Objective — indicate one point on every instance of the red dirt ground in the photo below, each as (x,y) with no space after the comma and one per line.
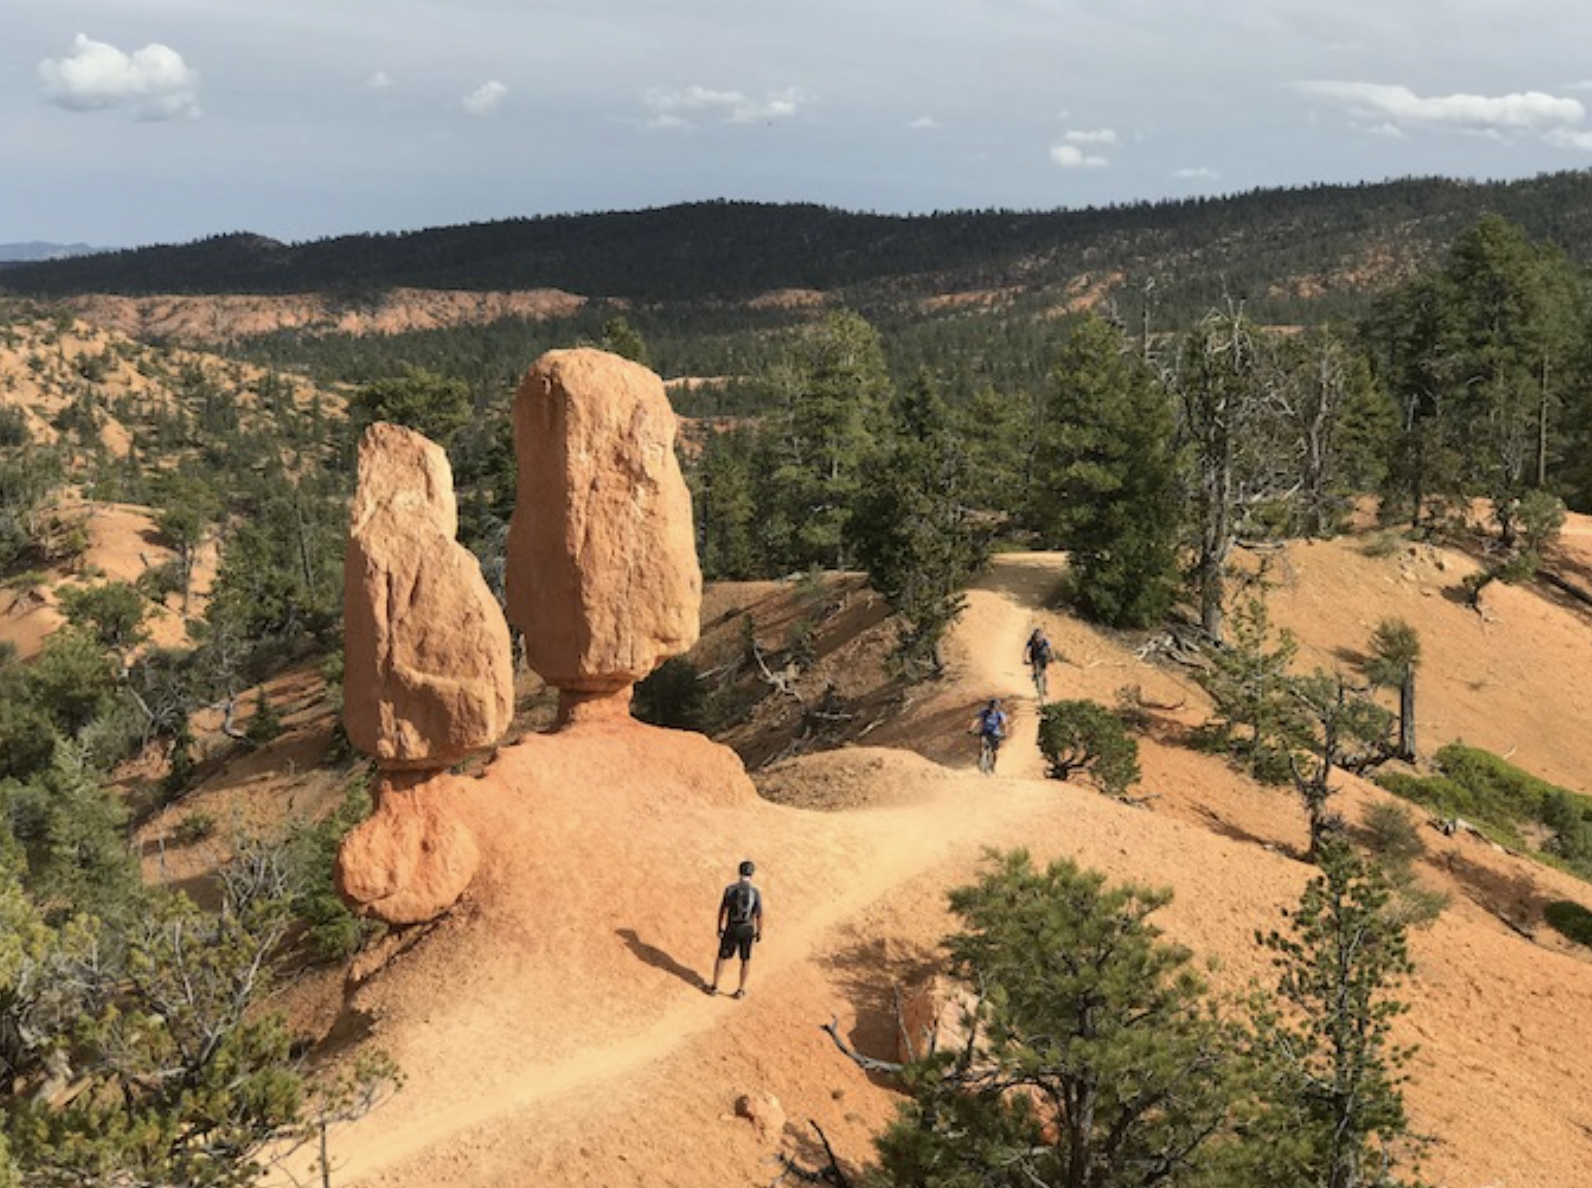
(554,1032)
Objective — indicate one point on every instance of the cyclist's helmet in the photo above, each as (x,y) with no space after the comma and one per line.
(748,868)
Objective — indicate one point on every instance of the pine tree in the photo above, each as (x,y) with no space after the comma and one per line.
(1106,478)
(1335,1116)
(1395,655)
(834,393)
(1095,1060)
(912,528)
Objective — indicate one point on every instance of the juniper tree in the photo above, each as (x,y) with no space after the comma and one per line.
(1084,736)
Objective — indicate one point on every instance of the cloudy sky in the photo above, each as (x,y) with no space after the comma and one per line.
(128,122)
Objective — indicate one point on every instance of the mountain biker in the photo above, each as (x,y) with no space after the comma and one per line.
(1037,654)
(990,725)
(740,925)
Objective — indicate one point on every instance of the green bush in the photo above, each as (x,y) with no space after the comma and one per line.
(1085,736)
(672,696)
(1499,799)
(1392,835)
(1570,919)
(194,828)
(334,932)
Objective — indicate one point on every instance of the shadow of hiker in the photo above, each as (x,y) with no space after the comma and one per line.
(658,959)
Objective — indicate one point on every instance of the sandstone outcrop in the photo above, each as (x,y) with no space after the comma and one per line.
(412,859)
(427,666)
(427,678)
(602,569)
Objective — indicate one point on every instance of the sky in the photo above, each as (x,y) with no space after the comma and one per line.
(131,122)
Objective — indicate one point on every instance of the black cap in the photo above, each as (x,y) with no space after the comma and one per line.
(748,868)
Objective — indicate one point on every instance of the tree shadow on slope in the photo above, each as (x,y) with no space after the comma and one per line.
(1513,897)
(873,975)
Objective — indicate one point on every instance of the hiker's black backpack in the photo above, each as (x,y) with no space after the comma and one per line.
(743,903)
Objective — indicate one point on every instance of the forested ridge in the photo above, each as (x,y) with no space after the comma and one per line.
(1276,248)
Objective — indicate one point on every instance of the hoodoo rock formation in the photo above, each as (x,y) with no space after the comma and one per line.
(602,570)
(604,584)
(428,667)
(428,675)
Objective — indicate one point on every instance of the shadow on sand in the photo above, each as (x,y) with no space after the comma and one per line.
(658,959)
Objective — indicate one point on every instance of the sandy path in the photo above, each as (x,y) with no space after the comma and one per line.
(601,1063)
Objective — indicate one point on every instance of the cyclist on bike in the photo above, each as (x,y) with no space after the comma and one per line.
(990,726)
(1037,654)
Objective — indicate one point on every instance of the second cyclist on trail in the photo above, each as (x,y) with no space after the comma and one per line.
(1037,654)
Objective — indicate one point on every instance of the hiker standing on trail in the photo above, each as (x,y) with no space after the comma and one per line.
(740,926)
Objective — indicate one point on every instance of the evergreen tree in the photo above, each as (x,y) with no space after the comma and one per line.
(1095,1061)
(1085,736)
(1106,478)
(1335,1114)
(623,339)
(834,395)
(1239,459)
(434,405)
(1248,681)
(1333,728)
(727,510)
(1395,655)
(912,528)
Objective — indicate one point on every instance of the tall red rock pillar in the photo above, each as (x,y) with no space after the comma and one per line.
(602,570)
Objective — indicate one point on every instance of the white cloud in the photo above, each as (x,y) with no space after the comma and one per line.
(1097,136)
(380,81)
(676,109)
(1379,106)
(1196,173)
(486,98)
(1570,139)
(1070,156)
(154,82)
(925,123)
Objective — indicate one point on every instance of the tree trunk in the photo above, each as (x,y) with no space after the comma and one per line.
(1407,715)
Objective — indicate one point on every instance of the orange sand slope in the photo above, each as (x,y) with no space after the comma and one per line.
(554,1032)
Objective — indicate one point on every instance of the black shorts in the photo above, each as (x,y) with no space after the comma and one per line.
(737,938)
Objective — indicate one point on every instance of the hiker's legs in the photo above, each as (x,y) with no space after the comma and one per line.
(718,968)
(746,963)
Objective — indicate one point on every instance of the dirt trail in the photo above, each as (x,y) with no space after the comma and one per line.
(593,1057)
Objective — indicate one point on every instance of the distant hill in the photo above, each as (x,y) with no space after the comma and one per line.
(1281,250)
(20,253)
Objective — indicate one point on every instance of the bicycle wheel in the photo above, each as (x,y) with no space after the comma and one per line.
(1041,687)
(986,754)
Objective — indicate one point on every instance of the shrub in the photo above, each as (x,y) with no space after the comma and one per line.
(672,696)
(334,932)
(194,828)
(266,723)
(1392,835)
(1085,736)
(1569,919)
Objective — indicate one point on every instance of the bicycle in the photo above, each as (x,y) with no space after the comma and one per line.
(1041,687)
(989,746)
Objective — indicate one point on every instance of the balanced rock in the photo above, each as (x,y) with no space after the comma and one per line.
(412,858)
(602,570)
(428,673)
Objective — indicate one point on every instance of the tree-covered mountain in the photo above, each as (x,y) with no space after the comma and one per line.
(1278,249)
